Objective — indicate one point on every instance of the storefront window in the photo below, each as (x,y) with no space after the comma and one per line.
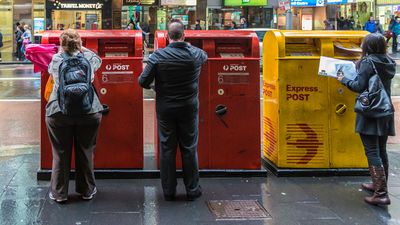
(6,29)
(215,19)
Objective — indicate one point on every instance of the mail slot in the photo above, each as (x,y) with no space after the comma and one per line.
(229,116)
(309,119)
(120,140)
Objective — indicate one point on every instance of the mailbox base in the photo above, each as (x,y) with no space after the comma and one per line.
(152,174)
(296,172)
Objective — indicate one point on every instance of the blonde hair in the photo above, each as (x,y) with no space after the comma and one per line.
(70,41)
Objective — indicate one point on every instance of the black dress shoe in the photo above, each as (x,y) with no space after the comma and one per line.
(193,196)
(169,198)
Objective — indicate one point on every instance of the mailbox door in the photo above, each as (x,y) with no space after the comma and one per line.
(235,134)
(304,119)
(346,147)
(121,130)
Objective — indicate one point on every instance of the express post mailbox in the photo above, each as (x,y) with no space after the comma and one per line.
(229,95)
(309,119)
(120,140)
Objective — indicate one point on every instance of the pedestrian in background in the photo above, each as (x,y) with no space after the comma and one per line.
(197,27)
(396,33)
(370,25)
(176,71)
(232,26)
(18,39)
(374,131)
(243,23)
(379,28)
(328,25)
(78,132)
(26,39)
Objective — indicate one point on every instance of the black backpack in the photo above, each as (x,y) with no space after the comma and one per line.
(75,93)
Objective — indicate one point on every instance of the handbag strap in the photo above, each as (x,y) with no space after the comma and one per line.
(373,66)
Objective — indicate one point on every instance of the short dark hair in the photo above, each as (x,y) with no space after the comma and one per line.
(175,30)
(374,43)
(17,24)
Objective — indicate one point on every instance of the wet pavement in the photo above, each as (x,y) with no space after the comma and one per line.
(288,201)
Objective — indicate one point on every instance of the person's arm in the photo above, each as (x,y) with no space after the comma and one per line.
(360,83)
(149,72)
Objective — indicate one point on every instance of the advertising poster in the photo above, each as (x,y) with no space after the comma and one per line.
(38,25)
(161,19)
(363,12)
(306,22)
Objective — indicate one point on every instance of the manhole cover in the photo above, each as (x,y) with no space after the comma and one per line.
(238,209)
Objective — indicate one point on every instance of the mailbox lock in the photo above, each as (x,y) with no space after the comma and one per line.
(221,110)
(340,91)
(221,91)
(103,91)
(341,109)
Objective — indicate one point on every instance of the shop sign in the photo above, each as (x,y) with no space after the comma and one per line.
(61,5)
(333,2)
(178,2)
(245,2)
(299,3)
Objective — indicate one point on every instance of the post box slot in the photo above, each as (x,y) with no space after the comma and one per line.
(116,48)
(235,48)
(347,48)
(302,47)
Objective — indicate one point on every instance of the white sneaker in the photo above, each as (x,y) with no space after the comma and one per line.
(59,200)
(90,196)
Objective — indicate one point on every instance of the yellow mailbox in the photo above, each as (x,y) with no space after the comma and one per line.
(309,119)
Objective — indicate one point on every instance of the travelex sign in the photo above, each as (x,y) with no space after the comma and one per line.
(62,5)
(307,2)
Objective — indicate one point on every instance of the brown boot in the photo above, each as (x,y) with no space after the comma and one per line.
(370,186)
(380,196)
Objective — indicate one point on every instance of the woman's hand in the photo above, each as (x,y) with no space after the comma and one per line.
(340,75)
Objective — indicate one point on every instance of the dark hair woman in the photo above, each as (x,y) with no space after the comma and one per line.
(374,132)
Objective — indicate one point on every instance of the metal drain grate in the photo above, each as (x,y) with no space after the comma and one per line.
(238,209)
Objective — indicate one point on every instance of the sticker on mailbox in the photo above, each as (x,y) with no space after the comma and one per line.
(234,73)
(117,73)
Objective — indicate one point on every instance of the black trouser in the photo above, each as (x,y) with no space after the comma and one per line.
(375,149)
(19,52)
(66,133)
(178,127)
(394,43)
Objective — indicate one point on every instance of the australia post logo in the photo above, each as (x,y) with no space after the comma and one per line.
(234,68)
(117,67)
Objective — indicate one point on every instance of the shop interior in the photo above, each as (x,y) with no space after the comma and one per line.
(82,19)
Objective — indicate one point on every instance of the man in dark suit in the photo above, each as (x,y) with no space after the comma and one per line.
(176,70)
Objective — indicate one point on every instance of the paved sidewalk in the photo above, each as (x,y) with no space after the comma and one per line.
(289,201)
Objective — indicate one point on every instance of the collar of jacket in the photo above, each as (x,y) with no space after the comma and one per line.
(178,44)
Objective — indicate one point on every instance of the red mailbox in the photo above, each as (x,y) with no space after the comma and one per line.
(120,141)
(229,116)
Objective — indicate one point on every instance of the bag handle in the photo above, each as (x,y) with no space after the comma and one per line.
(380,80)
